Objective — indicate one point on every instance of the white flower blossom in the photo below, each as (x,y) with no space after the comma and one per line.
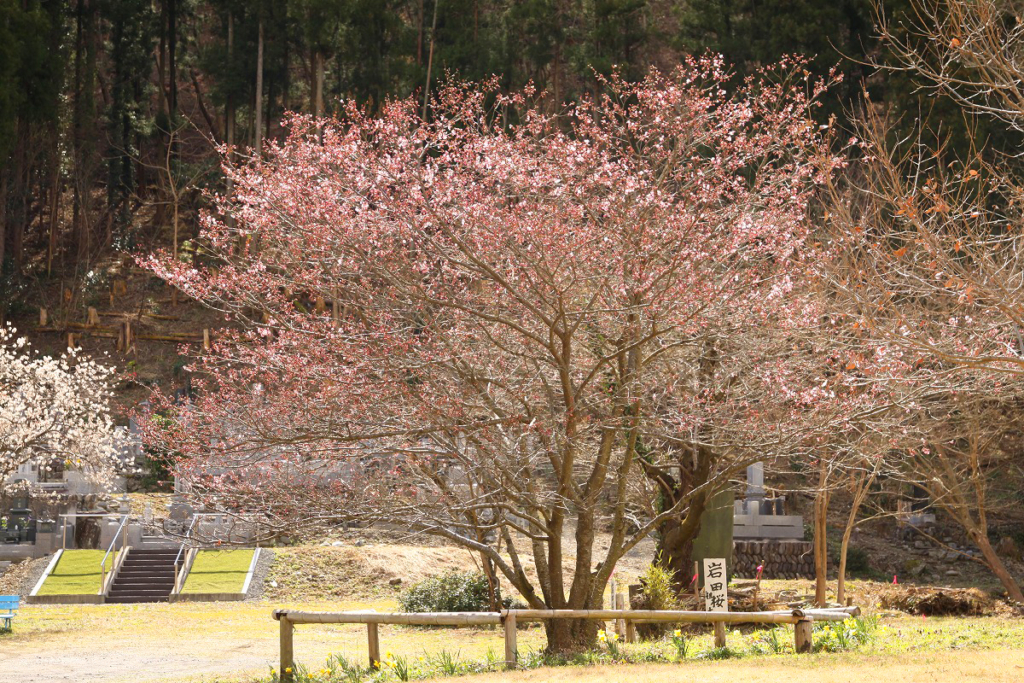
(55,410)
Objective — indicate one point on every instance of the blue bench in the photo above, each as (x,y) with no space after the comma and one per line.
(8,609)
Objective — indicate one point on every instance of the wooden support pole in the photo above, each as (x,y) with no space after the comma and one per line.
(71,340)
(206,339)
(287,653)
(373,643)
(92,317)
(802,633)
(124,341)
(719,634)
(630,631)
(42,317)
(511,648)
(620,624)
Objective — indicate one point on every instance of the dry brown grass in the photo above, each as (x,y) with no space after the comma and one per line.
(349,572)
(316,572)
(997,666)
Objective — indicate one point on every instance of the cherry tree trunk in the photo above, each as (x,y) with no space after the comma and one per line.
(674,551)
(841,579)
(995,563)
(569,636)
(821,501)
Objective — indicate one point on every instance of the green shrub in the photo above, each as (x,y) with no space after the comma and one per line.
(658,593)
(857,560)
(452,591)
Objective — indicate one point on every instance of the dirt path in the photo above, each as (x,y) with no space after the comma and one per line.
(123,663)
(235,642)
(179,642)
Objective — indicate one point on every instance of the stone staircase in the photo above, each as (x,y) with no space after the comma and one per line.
(146,575)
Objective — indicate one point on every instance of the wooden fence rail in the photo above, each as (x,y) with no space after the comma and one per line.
(802,621)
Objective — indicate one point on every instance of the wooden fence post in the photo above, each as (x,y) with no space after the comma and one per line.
(802,632)
(42,317)
(373,643)
(630,631)
(620,624)
(92,317)
(287,653)
(719,634)
(511,649)
(206,339)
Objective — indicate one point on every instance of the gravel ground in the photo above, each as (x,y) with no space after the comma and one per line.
(22,577)
(259,576)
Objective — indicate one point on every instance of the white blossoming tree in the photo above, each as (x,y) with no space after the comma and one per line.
(54,411)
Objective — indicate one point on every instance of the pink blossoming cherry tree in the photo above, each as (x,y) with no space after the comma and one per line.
(477,325)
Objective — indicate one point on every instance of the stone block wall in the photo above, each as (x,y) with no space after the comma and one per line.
(782,559)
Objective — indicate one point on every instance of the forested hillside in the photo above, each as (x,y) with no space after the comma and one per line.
(111,111)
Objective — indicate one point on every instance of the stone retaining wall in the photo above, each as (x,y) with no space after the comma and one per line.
(781,559)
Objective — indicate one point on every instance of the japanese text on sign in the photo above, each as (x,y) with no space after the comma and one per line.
(716,583)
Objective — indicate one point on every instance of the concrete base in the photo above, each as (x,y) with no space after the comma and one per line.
(64,599)
(207,597)
(16,552)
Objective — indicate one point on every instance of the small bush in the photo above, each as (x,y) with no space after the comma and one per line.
(658,593)
(857,559)
(452,591)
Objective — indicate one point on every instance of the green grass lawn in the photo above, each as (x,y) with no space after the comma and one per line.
(77,573)
(219,571)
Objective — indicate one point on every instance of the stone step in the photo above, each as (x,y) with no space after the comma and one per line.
(143,552)
(144,589)
(146,575)
(165,586)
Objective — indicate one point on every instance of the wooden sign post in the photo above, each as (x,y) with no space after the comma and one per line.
(716,593)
